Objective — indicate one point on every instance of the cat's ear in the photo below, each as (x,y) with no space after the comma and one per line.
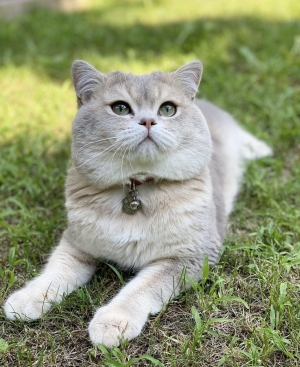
(85,79)
(189,76)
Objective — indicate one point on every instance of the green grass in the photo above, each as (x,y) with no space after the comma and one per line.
(246,311)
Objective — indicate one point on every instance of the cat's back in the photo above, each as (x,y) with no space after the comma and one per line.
(226,163)
(232,147)
(229,137)
(222,126)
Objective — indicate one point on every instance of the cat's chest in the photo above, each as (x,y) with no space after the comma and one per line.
(104,215)
(99,226)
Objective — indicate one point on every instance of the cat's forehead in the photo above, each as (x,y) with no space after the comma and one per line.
(145,88)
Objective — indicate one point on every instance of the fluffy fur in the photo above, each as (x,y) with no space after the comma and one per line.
(196,163)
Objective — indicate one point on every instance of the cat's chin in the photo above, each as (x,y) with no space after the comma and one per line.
(148,150)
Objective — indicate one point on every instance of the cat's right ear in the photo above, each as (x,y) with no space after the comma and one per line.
(85,79)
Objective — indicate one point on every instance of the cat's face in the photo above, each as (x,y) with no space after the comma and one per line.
(127,125)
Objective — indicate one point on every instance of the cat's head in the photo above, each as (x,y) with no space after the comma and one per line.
(128,124)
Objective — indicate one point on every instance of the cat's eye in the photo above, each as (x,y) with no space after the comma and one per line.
(121,108)
(167,109)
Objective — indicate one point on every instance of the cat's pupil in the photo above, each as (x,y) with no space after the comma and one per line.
(121,108)
(167,109)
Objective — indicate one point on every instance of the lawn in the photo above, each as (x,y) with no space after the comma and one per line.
(246,310)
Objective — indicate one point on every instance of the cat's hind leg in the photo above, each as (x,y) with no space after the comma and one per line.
(66,270)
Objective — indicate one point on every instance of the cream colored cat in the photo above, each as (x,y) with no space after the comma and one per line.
(185,158)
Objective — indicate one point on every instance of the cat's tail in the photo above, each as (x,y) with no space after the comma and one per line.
(239,144)
(252,148)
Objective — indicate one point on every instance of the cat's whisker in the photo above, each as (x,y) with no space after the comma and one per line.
(107,150)
(177,165)
(168,155)
(112,157)
(123,182)
(129,158)
(129,161)
(93,142)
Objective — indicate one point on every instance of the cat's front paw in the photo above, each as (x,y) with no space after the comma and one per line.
(27,304)
(110,325)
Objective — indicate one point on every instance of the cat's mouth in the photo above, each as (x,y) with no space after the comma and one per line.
(147,150)
(148,139)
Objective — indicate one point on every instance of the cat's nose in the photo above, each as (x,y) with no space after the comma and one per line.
(148,123)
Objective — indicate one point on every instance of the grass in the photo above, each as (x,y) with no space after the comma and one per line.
(246,311)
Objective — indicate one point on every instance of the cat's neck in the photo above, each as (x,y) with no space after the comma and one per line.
(76,181)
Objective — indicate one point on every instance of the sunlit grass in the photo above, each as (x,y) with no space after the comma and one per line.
(157,12)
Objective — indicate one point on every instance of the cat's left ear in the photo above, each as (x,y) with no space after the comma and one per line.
(85,79)
(189,76)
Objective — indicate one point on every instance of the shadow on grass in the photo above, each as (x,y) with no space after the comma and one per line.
(249,63)
(49,41)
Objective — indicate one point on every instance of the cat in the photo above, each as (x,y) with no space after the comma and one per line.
(153,179)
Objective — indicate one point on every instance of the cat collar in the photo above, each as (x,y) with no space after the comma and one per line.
(131,204)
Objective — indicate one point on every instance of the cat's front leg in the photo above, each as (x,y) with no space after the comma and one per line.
(126,314)
(66,270)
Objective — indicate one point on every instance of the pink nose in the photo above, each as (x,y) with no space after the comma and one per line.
(147,123)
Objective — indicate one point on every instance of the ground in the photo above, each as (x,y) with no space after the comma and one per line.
(246,311)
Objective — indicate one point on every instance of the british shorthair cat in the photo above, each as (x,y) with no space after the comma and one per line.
(153,180)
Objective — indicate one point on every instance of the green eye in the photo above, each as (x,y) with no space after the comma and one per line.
(167,109)
(121,108)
